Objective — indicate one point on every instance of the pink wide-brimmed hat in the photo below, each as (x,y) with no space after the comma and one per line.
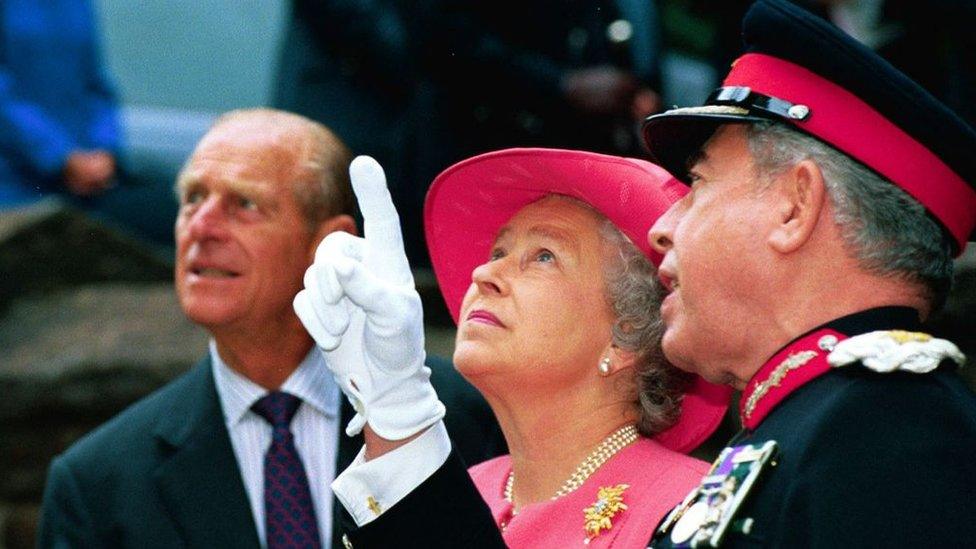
(469,203)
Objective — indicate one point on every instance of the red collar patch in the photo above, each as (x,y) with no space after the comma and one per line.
(793,367)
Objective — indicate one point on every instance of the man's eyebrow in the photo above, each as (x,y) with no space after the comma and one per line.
(184,182)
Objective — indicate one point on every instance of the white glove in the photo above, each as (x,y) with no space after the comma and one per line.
(361,307)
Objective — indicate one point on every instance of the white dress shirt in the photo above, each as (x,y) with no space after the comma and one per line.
(315,426)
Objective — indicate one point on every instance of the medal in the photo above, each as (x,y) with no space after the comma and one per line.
(706,515)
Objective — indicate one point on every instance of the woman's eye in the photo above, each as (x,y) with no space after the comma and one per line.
(247,204)
(497,253)
(545,256)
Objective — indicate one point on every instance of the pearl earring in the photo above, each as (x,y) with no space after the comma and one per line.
(604,366)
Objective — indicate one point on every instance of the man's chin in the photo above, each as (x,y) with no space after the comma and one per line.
(684,361)
(207,316)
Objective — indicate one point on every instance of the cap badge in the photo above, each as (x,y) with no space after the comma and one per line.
(888,351)
(598,517)
(798,112)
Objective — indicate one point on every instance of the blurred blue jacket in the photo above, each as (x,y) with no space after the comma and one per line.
(54,95)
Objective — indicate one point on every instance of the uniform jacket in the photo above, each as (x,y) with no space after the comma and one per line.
(866,459)
(163,472)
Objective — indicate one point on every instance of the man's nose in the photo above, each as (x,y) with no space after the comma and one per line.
(209,220)
(661,234)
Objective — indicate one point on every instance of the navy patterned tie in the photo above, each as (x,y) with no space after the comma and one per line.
(289,515)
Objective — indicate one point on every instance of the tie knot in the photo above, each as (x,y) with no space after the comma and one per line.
(277,408)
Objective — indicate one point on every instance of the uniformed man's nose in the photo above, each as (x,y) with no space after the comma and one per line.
(660,234)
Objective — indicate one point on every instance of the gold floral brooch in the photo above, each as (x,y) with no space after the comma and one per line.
(598,517)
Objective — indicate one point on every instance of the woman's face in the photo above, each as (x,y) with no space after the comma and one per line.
(537,307)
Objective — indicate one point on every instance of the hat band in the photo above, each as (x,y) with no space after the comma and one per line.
(744,97)
(841,119)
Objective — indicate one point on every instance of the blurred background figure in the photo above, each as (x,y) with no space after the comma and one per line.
(544,73)
(352,66)
(59,126)
(931,42)
(60,131)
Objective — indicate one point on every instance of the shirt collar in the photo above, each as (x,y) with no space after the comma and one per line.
(311,382)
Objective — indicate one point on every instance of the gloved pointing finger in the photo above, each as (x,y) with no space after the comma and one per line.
(381,224)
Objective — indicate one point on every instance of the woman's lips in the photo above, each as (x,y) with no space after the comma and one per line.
(484,317)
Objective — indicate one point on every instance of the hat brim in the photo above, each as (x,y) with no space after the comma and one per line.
(471,201)
(674,136)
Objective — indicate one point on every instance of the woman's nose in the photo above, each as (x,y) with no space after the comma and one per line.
(489,277)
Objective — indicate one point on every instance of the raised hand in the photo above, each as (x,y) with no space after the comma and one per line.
(361,307)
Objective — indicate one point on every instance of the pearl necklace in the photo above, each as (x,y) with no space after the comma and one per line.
(618,440)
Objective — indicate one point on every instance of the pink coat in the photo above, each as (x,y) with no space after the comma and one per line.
(658,480)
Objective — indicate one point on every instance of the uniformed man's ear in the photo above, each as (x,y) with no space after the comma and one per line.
(803,198)
(342,222)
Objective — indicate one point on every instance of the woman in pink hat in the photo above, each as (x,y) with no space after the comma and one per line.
(544,264)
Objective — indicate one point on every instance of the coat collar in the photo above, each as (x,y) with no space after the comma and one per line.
(198,477)
(805,359)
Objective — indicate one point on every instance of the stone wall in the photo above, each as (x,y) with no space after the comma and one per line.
(89,323)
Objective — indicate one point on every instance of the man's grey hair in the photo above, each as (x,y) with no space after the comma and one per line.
(635,295)
(887,231)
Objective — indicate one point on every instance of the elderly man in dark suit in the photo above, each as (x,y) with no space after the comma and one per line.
(241,450)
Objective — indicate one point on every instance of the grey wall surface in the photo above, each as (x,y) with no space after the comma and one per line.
(210,55)
(177,64)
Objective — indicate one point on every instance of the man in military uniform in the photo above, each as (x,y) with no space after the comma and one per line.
(829,194)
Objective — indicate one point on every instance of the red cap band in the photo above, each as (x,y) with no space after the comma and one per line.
(850,125)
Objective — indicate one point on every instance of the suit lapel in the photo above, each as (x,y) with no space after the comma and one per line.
(345,453)
(198,478)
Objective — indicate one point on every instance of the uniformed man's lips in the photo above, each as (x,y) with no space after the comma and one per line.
(668,279)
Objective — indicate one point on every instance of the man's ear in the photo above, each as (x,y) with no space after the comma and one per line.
(802,197)
(343,222)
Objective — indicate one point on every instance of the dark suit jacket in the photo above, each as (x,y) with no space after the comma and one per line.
(163,472)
